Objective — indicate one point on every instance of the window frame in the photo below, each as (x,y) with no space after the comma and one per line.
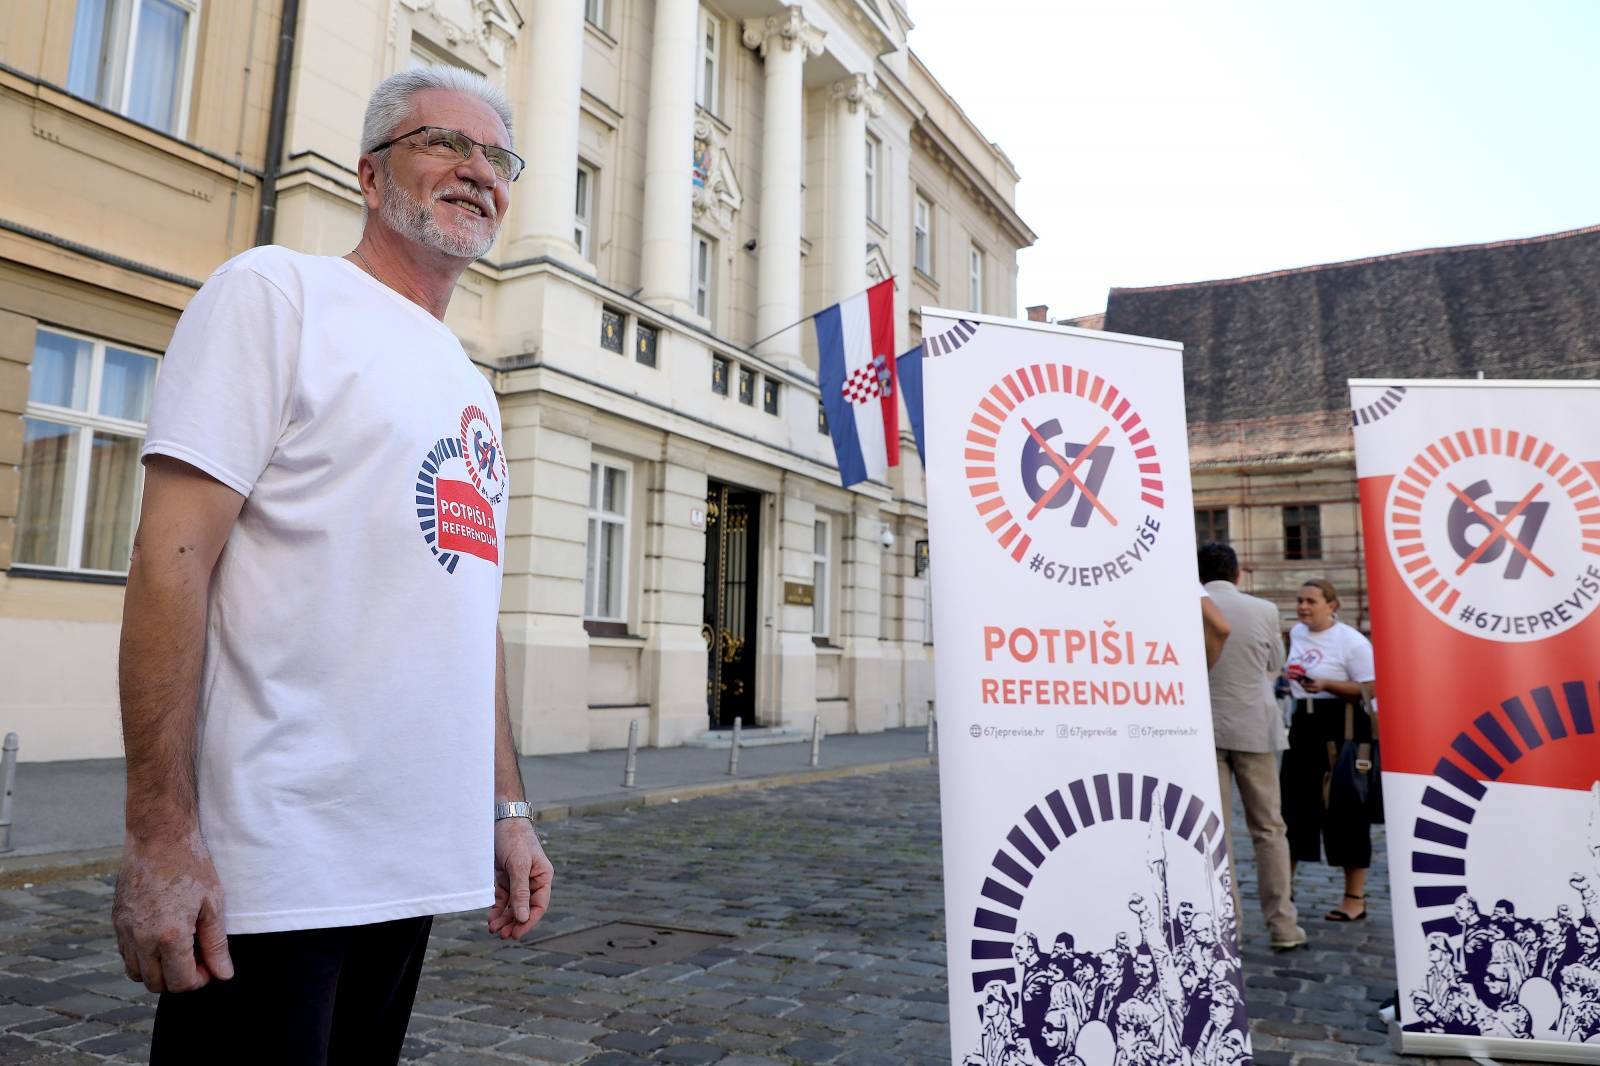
(702,274)
(922,233)
(874,178)
(708,63)
(115,66)
(595,516)
(583,209)
(85,423)
(821,587)
(1210,530)
(594,13)
(1309,546)
(975,277)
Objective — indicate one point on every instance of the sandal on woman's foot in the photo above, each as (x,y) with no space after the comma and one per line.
(1337,915)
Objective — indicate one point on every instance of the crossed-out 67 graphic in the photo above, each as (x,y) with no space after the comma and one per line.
(1499,531)
(1064,473)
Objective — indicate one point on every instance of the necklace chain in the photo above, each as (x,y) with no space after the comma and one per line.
(365,265)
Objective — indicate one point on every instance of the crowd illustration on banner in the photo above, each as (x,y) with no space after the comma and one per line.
(1173,998)
(1510,975)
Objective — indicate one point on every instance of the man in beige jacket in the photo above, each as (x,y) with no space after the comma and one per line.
(1249,734)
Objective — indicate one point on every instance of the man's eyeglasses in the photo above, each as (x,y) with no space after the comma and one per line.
(505,163)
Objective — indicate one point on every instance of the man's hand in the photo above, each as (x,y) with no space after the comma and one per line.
(522,879)
(168,915)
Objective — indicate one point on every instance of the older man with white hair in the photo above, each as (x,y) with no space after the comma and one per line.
(313,683)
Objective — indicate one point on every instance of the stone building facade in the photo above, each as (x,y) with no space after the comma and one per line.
(701,176)
(1267,359)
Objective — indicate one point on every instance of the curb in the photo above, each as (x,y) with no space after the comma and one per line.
(54,865)
(656,797)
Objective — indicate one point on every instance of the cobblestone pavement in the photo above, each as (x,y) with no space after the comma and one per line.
(831,893)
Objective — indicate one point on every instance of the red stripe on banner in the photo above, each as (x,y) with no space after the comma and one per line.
(998,520)
(987,425)
(1589,519)
(1567,480)
(992,408)
(1438,456)
(1005,401)
(1153,501)
(1513,441)
(1558,463)
(1139,437)
(978,438)
(1110,398)
(1408,487)
(1479,439)
(1425,579)
(1586,503)
(1408,549)
(1593,549)
(1050,375)
(1066,378)
(1021,548)
(1096,389)
(1411,519)
(1009,535)
(1436,591)
(1122,409)
(1082,388)
(1544,454)
(1149,468)
(1464,441)
(880,316)
(978,456)
(1151,483)
(1016,392)
(1145,453)
(1433,471)
(1418,476)
(1449,603)
(1450,450)
(1418,563)
(1038,377)
(990,504)
(980,471)
(1130,422)
(985,488)
(1410,505)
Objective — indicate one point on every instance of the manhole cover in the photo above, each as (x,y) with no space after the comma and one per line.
(634,942)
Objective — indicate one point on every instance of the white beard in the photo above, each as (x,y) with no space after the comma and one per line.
(414,220)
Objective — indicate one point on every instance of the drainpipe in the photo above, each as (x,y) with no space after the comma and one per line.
(267,217)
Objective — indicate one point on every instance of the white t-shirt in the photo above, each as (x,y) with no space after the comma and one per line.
(347,702)
(1338,653)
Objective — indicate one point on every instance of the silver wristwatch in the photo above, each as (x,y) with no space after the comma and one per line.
(519,809)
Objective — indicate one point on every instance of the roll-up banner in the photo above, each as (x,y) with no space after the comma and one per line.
(1088,913)
(1480,505)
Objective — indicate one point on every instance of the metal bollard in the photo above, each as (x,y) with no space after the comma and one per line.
(8,781)
(733,751)
(932,733)
(632,766)
(816,739)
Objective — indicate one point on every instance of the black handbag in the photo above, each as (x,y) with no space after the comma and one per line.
(1354,781)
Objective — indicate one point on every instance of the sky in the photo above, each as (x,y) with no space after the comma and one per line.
(1162,141)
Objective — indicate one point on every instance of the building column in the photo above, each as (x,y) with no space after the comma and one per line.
(668,159)
(853,99)
(545,199)
(672,596)
(783,41)
(860,622)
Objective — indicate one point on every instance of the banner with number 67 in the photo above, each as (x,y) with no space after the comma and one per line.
(1480,507)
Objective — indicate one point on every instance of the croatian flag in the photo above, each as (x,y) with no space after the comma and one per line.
(860,383)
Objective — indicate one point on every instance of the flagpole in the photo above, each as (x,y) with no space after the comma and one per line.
(750,349)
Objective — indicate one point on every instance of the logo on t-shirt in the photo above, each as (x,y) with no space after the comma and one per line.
(458,484)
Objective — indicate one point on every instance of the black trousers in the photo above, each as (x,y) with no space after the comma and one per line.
(1345,834)
(312,997)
